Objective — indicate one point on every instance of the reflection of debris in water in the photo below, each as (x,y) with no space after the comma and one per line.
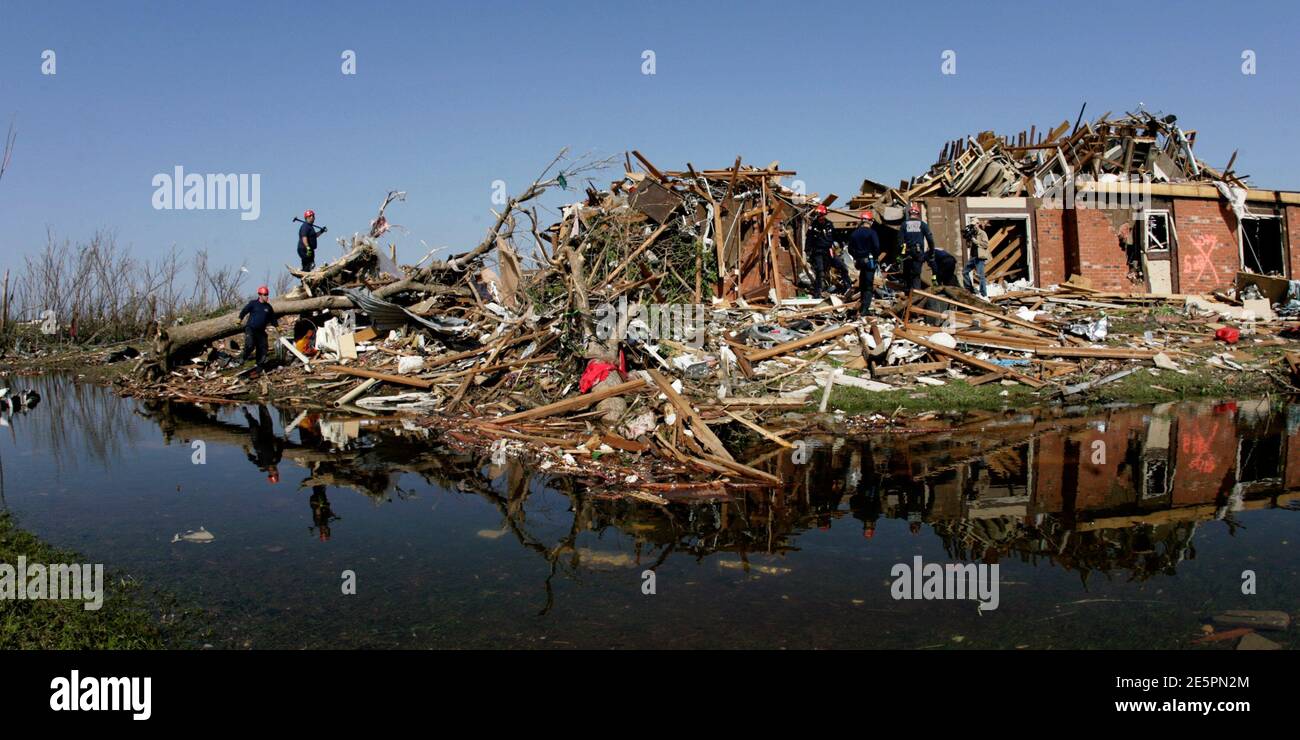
(492,534)
(767,570)
(588,556)
(201,536)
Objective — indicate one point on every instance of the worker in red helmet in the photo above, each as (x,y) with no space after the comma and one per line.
(307,234)
(913,236)
(261,314)
(819,245)
(864,248)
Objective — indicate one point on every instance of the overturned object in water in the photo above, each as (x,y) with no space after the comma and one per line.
(202,536)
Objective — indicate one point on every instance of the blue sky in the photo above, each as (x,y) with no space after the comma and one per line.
(450,97)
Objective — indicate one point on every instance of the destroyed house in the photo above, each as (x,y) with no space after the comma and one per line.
(1123,203)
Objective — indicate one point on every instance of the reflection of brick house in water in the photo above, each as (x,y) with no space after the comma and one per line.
(1126,490)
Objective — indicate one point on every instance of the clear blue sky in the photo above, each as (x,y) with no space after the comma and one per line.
(449,97)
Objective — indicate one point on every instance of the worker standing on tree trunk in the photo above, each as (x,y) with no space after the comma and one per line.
(307,234)
(913,236)
(260,315)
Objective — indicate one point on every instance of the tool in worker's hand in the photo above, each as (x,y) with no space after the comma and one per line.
(323,229)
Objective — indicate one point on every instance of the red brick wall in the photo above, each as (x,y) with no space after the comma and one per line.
(1292,216)
(1208,258)
(1101,258)
(1049,243)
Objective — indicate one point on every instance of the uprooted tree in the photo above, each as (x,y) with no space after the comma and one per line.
(362,265)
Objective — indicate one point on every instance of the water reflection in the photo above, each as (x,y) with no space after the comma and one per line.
(1121,492)
(1127,493)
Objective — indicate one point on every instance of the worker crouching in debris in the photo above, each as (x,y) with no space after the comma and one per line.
(819,244)
(864,247)
(261,314)
(913,236)
(943,265)
(977,250)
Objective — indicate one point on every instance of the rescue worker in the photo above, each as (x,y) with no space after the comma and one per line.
(943,265)
(818,245)
(307,234)
(864,248)
(913,235)
(261,314)
(977,252)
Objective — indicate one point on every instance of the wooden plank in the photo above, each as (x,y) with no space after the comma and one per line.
(574,403)
(807,341)
(758,430)
(1104,353)
(969,360)
(703,434)
(386,377)
(911,369)
(987,312)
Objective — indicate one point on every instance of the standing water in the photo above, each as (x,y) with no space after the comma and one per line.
(1120,529)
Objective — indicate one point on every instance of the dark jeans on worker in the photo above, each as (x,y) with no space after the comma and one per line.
(820,263)
(308,258)
(912,274)
(977,265)
(255,341)
(866,284)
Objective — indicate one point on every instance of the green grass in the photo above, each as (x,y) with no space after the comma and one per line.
(955,395)
(1202,381)
(128,619)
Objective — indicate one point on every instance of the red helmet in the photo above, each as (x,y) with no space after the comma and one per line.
(273,477)
(867,215)
(914,208)
(308,213)
(821,209)
(264,290)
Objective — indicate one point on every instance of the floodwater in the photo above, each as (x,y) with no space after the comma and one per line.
(1120,529)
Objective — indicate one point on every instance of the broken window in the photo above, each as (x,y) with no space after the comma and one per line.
(1157,236)
(1261,246)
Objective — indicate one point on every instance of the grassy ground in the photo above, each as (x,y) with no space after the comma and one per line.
(1143,386)
(129,618)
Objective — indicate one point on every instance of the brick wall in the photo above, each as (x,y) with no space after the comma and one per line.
(1208,257)
(1101,258)
(1049,243)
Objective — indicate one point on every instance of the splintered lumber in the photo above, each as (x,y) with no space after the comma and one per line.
(1105,353)
(386,377)
(987,312)
(807,341)
(758,429)
(745,470)
(911,369)
(573,404)
(964,358)
(357,392)
(703,434)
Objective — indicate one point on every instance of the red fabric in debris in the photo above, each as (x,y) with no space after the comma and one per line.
(596,371)
(1228,334)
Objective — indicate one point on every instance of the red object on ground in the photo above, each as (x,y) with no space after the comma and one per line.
(1228,334)
(596,371)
